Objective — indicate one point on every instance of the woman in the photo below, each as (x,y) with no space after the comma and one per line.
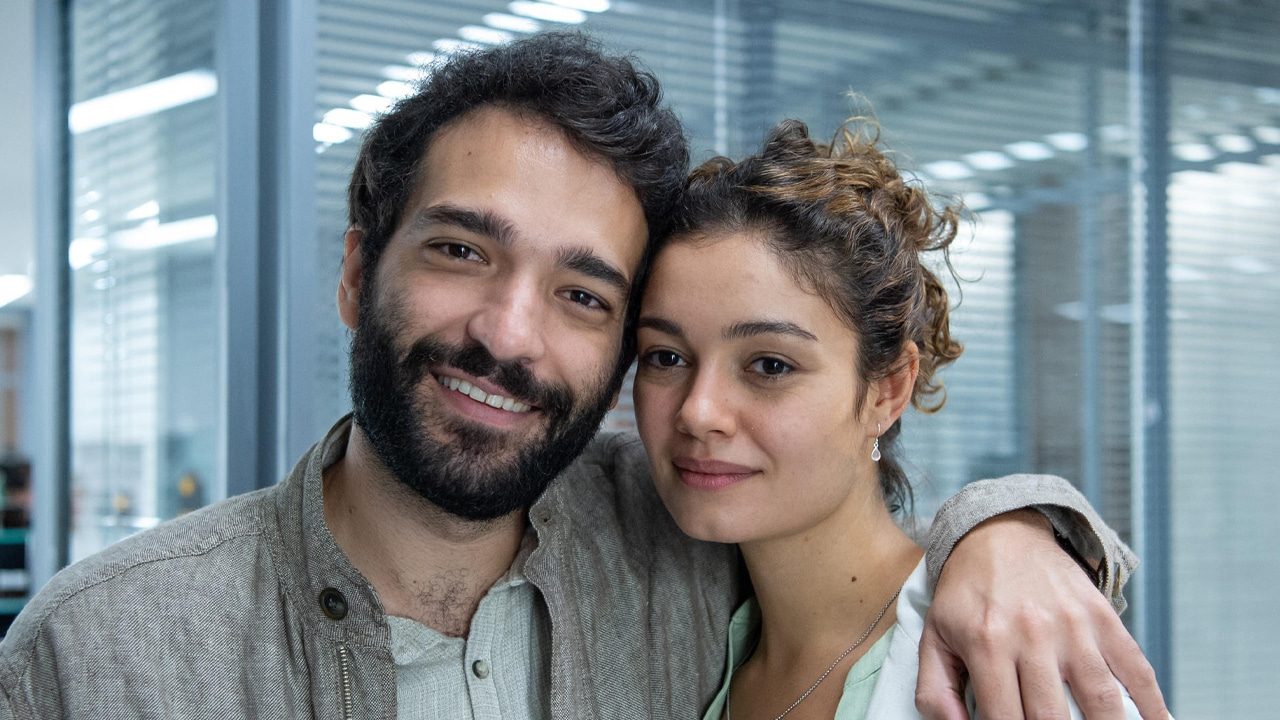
(788,323)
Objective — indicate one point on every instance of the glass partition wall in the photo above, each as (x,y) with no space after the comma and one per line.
(144,340)
(1036,114)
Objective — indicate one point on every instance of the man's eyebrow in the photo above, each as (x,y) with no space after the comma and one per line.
(662,325)
(480,222)
(767,327)
(583,260)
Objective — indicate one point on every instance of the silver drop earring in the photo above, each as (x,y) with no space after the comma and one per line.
(875,449)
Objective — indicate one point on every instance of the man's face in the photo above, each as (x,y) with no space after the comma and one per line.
(485,347)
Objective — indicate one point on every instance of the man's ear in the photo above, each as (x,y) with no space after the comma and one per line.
(892,393)
(351,278)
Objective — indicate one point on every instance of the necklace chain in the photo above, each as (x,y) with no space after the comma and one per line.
(728,704)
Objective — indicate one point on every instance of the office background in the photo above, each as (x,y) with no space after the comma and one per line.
(174,198)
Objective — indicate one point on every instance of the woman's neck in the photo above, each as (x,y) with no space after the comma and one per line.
(819,589)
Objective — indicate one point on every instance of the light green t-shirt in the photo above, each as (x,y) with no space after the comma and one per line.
(744,628)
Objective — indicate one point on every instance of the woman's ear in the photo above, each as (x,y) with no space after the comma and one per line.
(351,277)
(892,393)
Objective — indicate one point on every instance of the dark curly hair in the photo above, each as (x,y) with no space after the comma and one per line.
(847,226)
(606,105)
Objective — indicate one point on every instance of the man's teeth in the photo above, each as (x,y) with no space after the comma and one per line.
(475,393)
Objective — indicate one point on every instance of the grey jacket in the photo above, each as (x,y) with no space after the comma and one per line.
(248,608)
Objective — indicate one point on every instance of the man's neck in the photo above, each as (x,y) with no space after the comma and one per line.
(424,563)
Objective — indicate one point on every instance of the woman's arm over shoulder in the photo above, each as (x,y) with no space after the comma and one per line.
(1083,531)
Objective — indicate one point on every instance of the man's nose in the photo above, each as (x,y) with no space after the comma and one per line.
(512,323)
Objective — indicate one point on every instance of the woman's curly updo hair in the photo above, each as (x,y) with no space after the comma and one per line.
(849,228)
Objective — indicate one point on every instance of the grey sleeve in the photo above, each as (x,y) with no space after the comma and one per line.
(1071,515)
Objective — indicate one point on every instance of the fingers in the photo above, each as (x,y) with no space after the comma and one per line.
(1130,667)
(995,687)
(940,684)
(1043,695)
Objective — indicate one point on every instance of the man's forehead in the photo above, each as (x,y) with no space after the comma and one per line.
(522,179)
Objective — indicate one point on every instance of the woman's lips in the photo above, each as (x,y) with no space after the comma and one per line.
(711,474)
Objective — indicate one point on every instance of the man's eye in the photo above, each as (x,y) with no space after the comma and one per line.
(585,299)
(663,359)
(458,251)
(771,367)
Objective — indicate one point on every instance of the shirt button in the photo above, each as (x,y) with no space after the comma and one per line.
(333,604)
(480,668)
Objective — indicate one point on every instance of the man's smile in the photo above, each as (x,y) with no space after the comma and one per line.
(493,400)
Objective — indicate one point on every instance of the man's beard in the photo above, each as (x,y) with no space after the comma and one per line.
(482,473)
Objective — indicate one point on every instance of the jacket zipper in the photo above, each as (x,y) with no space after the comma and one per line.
(344,680)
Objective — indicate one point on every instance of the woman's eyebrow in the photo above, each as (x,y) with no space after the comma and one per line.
(767,327)
(662,325)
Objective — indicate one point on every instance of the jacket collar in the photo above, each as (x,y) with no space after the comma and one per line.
(311,564)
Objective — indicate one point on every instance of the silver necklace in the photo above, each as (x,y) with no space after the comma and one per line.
(728,701)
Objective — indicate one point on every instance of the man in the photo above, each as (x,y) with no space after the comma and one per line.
(438,555)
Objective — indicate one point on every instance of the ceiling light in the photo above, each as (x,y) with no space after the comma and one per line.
(550,13)
(148,209)
(1180,273)
(1071,310)
(346,117)
(1249,265)
(142,100)
(402,73)
(486,35)
(1234,143)
(1268,134)
(1119,313)
(150,237)
(1194,152)
(1068,141)
(948,170)
(84,250)
(989,160)
(13,287)
(330,134)
(503,21)
(595,6)
(371,104)
(395,89)
(449,46)
(1114,133)
(1029,151)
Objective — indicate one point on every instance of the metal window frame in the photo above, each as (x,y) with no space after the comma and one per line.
(50,440)
(1149,175)
(266,69)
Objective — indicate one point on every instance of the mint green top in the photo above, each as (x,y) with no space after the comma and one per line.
(744,629)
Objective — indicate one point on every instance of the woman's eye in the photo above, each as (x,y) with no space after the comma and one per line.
(771,367)
(585,299)
(663,359)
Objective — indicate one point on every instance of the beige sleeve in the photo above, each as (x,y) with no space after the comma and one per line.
(1070,513)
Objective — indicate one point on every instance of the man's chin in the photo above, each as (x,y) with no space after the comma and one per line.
(483,443)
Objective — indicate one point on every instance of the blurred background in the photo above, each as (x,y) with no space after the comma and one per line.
(172,188)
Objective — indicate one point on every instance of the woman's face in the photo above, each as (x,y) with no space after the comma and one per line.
(746,394)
